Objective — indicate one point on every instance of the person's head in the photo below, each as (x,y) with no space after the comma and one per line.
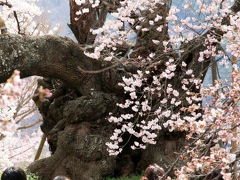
(61,178)
(13,173)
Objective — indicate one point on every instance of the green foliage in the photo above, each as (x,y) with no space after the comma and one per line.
(31,176)
(127,178)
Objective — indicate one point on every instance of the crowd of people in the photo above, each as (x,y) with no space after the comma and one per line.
(15,173)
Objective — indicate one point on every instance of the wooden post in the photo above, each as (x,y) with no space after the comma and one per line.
(40,148)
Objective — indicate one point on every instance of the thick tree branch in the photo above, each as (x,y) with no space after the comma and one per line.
(55,57)
(82,23)
(144,41)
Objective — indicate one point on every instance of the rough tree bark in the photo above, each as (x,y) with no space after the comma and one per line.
(74,117)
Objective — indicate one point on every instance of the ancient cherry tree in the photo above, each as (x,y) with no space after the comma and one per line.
(129,92)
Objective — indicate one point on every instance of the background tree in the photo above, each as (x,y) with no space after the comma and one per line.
(20,120)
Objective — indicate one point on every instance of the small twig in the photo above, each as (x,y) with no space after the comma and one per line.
(20,153)
(97,71)
(23,115)
(181,153)
(158,63)
(29,126)
(103,69)
(18,23)
(172,166)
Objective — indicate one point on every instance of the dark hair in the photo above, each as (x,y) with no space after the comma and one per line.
(61,178)
(13,173)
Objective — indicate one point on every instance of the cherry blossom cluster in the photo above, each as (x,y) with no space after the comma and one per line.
(86,6)
(10,89)
(25,17)
(116,32)
(21,154)
(26,11)
(18,143)
(166,98)
(9,93)
(213,147)
(219,159)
